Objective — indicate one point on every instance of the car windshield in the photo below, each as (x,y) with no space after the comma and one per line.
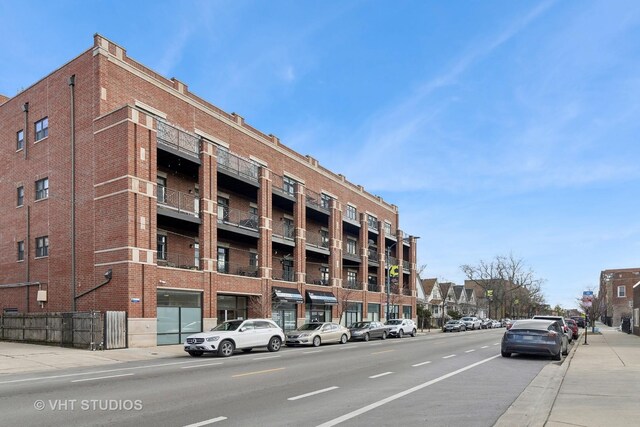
(360,325)
(228,326)
(394,322)
(310,326)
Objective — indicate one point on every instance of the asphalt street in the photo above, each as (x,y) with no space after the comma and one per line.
(442,379)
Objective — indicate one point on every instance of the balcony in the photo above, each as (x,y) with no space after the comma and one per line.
(283,275)
(316,201)
(311,280)
(177,260)
(283,187)
(178,142)
(373,256)
(318,243)
(177,204)
(352,284)
(239,221)
(373,287)
(237,269)
(238,167)
(407,291)
(284,232)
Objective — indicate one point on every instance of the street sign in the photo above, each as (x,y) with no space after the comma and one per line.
(587,298)
(393,271)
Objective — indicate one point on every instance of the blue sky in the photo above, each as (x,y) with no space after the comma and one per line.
(497,127)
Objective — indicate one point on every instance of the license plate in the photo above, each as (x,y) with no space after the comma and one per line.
(193,347)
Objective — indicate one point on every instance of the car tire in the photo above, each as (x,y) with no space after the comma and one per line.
(413,333)
(226,348)
(366,337)
(275,343)
(384,335)
(317,341)
(247,350)
(505,354)
(565,351)
(558,356)
(344,339)
(400,333)
(195,353)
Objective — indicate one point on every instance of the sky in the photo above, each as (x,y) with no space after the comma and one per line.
(496,127)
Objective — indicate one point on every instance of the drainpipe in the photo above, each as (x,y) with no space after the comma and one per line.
(26,249)
(25,109)
(72,85)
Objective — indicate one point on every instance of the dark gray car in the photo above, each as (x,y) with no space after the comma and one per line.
(532,336)
(367,330)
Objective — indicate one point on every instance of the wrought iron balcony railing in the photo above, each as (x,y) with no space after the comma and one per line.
(177,260)
(238,218)
(176,200)
(177,139)
(237,165)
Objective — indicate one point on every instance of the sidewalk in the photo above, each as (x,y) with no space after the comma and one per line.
(597,385)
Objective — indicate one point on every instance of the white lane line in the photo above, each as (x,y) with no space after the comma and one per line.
(389,399)
(101,378)
(420,364)
(375,343)
(469,351)
(207,422)
(266,357)
(313,393)
(485,346)
(380,375)
(497,343)
(312,352)
(200,366)
(451,355)
(104,371)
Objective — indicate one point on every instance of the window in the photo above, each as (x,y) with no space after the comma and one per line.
(253,260)
(373,312)
(621,291)
(387,229)
(20,140)
(352,247)
(21,250)
(42,246)
(223,260)
(223,209)
(42,128)
(20,195)
(162,189)
(324,238)
(42,188)
(196,255)
(289,229)
(288,185)
(287,270)
(325,201)
(406,311)
(353,313)
(162,247)
(352,213)
(324,275)
(352,278)
(372,221)
(253,215)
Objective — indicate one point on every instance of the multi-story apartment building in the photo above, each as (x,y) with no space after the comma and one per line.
(616,294)
(125,191)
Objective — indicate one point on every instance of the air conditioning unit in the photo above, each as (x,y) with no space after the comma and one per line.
(42,296)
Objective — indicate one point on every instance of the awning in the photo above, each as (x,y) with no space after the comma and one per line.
(287,295)
(317,297)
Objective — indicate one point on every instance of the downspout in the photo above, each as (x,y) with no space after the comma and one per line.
(25,109)
(26,249)
(72,85)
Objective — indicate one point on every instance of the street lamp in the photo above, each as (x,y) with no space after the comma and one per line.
(388,284)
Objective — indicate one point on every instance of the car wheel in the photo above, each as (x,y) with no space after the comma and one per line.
(316,341)
(195,353)
(247,350)
(226,348)
(505,354)
(366,337)
(274,344)
(344,339)
(558,356)
(384,335)
(413,333)
(565,351)
(400,333)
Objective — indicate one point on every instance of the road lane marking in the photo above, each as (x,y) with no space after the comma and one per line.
(375,343)
(451,355)
(313,393)
(266,371)
(389,399)
(207,422)
(383,351)
(101,378)
(200,366)
(420,364)
(469,351)
(485,346)
(266,357)
(312,352)
(497,343)
(380,375)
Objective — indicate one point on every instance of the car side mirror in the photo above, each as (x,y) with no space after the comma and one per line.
(242,329)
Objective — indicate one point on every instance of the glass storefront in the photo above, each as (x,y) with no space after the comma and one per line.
(284,314)
(353,313)
(317,313)
(179,315)
(406,311)
(373,312)
(232,307)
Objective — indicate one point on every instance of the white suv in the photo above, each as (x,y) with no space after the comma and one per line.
(472,322)
(400,327)
(236,334)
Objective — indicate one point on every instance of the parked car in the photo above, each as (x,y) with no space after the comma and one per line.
(236,334)
(504,321)
(496,324)
(487,324)
(317,333)
(562,323)
(535,336)
(401,327)
(579,320)
(455,326)
(509,324)
(367,330)
(573,326)
(472,322)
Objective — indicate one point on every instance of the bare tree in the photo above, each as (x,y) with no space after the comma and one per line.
(344,295)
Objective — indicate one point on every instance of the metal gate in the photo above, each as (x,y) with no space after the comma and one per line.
(115,330)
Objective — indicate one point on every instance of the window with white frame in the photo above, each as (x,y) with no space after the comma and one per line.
(289,185)
(325,201)
(324,275)
(372,221)
(21,250)
(352,247)
(20,195)
(324,238)
(42,188)
(387,229)
(19,140)
(352,213)
(622,291)
(42,128)
(42,246)
(162,247)
(352,277)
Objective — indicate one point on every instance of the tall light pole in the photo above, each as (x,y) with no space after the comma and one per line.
(388,282)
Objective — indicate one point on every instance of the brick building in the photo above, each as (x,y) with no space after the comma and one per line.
(125,191)
(616,294)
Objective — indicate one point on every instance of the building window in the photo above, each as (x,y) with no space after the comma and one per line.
(406,311)
(223,260)
(42,246)
(324,238)
(289,229)
(42,188)
(162,247)
(223,209)
(42,128)
(373,312)
(621,291)
(372,221)
(21,250)
(253,215)
(353,313)
(162,189)
(352,278)
(352,247)
(196,255)
(352,213)
(20,140)
(20,195)
(387,229)
(288,185)
(325,201)
(253,260)
(324,275)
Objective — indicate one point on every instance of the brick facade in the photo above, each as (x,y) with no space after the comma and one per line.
(616,286)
